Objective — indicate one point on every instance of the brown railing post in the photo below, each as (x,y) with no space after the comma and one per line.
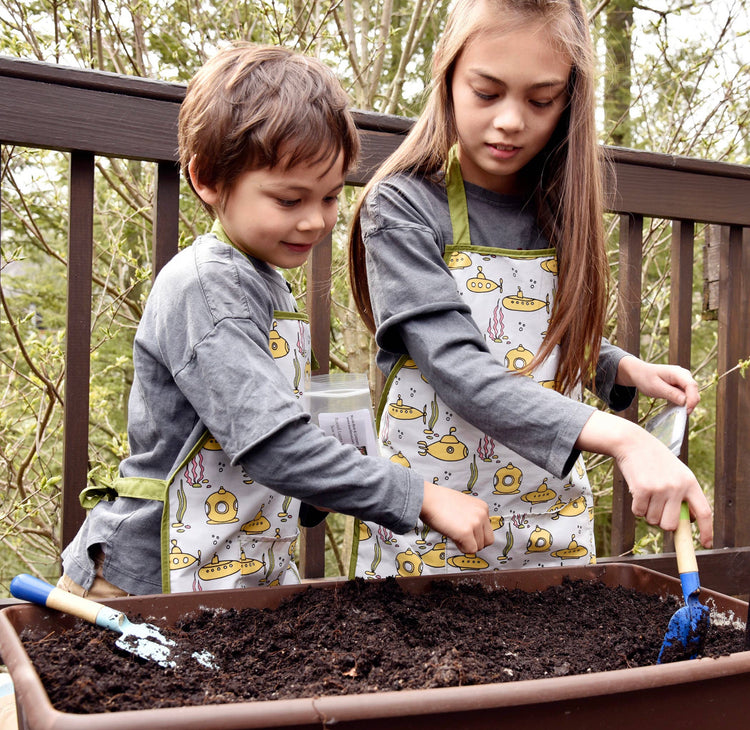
(78,345)
(166,231)
(726,495)
(628,338)
(312,541)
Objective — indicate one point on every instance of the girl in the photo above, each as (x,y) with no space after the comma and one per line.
(478,259)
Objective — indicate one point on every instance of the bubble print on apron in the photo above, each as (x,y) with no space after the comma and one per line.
(538,519)
(220,528)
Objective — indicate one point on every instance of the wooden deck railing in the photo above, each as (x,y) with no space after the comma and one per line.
(90,114)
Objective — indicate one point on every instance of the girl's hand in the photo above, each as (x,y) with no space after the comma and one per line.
(462,518)
(670,382)
(658,481)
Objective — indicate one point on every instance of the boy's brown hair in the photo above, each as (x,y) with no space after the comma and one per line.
(253,106)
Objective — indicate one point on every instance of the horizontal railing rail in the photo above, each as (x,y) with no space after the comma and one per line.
(89,114)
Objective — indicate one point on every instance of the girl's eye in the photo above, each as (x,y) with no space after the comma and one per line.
(483,96)
(542,104)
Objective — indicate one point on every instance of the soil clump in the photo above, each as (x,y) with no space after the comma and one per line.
(368,636)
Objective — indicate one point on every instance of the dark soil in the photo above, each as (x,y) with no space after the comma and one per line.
(369,637)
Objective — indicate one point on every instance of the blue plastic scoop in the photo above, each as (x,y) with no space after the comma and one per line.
(686,632)
(142,639)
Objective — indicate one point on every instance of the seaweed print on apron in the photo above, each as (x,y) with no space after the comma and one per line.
(538,519)
(223,529)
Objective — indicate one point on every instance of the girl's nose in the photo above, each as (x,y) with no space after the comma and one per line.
(509,117)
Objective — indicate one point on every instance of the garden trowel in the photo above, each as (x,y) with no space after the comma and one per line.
(142,639)
(686,632)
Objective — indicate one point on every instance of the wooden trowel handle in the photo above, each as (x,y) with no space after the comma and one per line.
(683,543)
(29,588)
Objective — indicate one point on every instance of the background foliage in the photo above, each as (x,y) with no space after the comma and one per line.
(674,79)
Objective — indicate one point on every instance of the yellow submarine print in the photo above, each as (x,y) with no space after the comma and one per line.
(518,358)
(507,480)
(520,303)
(406,413)
(449,448)
(277,344)
(573,551)
(408,563)
(211,444)
(221,508)
(480,284)
(540,541)
(459,260)
(496,522)
(435,557)
(222,568)
(258,524)
(572,509)
(365,533)
(468,561)
(549,265)
(541,494)
(179,560)
(400,459)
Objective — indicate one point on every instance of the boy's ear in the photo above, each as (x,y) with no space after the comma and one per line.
(207,193)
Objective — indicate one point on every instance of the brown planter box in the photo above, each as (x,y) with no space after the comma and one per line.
(692,694)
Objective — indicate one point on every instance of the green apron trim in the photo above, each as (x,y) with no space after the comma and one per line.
(301,316)
(134,487)
(387,386)
(218,230)
(382,404)
(507,252)
(457,205)
(165,513)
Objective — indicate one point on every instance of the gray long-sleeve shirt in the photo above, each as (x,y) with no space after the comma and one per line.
(406,226)
(202,361)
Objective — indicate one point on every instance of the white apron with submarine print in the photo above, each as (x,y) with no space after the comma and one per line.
(223,529)
(537,518)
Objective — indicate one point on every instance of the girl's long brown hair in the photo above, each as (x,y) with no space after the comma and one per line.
(566,176)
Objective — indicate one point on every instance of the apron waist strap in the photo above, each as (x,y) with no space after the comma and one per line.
(134,487)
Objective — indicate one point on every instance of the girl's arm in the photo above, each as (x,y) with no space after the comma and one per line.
(670,382)
(462,518)
(658,481)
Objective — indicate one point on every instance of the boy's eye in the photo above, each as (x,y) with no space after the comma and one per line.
(284,203)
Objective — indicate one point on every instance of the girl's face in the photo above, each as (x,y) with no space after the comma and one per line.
(509,91)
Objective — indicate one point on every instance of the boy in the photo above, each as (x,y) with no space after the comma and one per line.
(221,449)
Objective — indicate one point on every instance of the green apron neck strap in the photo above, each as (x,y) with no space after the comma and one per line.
(457,206)
(218,230)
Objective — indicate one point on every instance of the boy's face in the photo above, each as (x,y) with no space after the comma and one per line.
(278,215)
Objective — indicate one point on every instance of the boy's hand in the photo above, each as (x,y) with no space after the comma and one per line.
(460,517)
